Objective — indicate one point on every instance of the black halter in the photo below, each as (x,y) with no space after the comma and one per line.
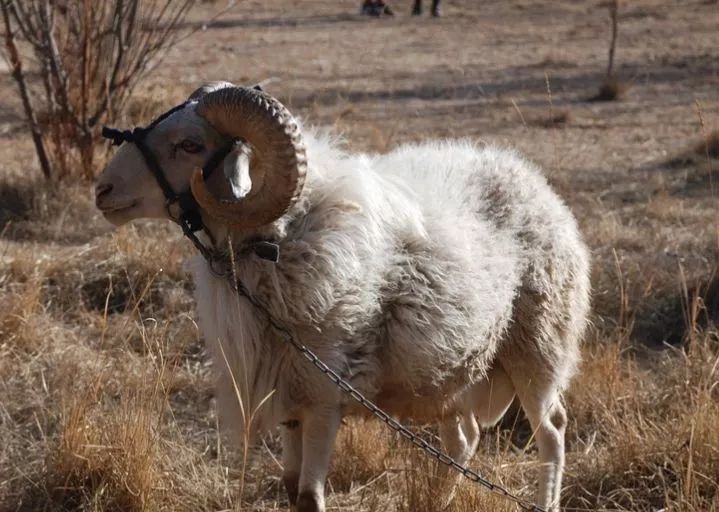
(189,217)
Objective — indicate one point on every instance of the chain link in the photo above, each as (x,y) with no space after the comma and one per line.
(379,413)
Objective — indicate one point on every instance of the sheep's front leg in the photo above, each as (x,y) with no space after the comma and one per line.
(460,437)
(292,459)
(319,428)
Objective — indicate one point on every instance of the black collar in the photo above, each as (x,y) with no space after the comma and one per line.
(189,217)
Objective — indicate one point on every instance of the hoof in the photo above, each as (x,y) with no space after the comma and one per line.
(291,485)
(309,502)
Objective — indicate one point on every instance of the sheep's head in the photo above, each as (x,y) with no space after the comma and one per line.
(263,172)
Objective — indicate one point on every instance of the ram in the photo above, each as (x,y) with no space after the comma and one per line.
(440,280)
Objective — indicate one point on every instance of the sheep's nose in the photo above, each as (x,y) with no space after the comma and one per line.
(101,191)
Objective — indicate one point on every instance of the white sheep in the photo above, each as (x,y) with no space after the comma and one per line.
(440,280)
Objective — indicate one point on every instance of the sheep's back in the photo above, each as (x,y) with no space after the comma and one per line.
(494,230)
(496,189)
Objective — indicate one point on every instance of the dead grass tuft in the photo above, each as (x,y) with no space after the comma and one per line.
(43,211)
(633,459)
(698,152)
(363,457)
(105,461)
(20,310)
(709,146)
(16,201)
(113,285)
(611,90)
(557,119)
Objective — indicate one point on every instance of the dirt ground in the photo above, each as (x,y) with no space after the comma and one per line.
(76,362)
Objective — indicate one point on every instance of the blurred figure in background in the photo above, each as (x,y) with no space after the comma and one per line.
(418,8)
(376,8)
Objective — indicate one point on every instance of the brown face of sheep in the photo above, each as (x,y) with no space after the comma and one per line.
(263,175)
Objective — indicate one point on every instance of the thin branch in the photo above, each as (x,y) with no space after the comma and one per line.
(24,23)
(58,67)
(7,7)
(613,12)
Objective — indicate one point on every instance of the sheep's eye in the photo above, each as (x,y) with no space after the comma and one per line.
(189,146)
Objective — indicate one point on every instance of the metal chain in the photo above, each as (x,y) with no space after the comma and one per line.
(379,413)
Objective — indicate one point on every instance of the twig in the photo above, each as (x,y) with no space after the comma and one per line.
(19,76)
(551,117)
(613,11)
(514,103)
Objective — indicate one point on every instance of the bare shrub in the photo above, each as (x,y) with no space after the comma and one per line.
(90,56)
(612,89)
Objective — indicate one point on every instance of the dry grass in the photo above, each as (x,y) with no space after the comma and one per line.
(709,146)
(701,152)
(106,398)
(557,119)
(107,401)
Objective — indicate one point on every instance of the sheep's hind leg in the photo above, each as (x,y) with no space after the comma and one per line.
(488,399)
(491,397)
(319,429)
(549,422)
(543,406)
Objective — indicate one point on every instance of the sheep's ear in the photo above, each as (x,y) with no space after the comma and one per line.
(237,169)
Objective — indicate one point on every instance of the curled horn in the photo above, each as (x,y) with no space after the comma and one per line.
(207,88)
(279,158)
